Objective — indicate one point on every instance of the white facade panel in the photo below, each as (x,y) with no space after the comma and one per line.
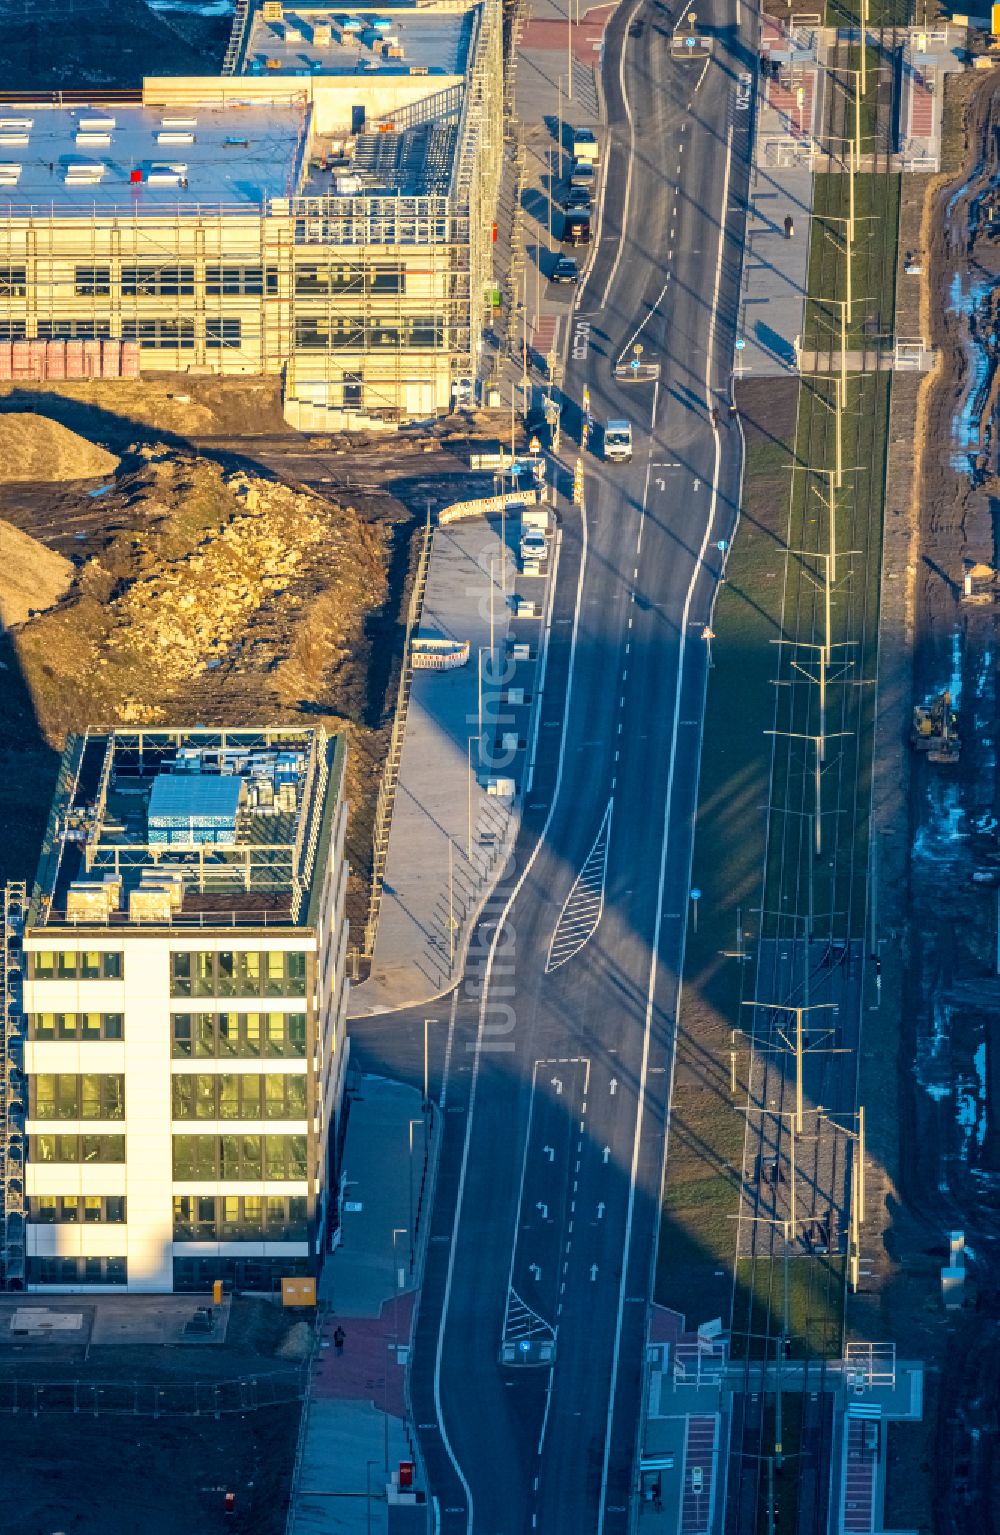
(149,1181)
(70,1239)
(75,1178)
(73,1055)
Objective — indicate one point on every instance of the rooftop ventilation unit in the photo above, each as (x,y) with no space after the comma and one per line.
(9,138)
(173,136)
(85,173)
(95,124)
(22,123)
(10,174)
(166,175)
(178,122)
(92,140)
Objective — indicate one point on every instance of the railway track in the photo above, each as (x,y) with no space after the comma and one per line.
(814,903)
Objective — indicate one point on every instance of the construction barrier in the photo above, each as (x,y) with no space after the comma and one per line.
(484,504)
(439,655)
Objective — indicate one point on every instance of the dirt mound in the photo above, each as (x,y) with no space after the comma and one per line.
(36,448)
(32,577)
(227,594)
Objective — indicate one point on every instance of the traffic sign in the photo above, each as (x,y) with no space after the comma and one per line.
(534,446)
(695,893)
(722,546)
(740,343)
(634,364)
(689,42)
(525,1346)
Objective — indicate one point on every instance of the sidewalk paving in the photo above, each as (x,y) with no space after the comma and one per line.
(355,1431)
(433,876)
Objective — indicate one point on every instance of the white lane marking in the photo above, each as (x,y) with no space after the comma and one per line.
(447,1049)
(631,156)
(450,1277)
(584,905)
(644,1072)
(545,1418)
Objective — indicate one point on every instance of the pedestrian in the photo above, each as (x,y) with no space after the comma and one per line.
(338,1339)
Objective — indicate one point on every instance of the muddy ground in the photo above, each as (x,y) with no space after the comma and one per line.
(168,1473)
(73,44)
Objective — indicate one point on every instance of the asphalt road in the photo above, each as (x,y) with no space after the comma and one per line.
(555,1116)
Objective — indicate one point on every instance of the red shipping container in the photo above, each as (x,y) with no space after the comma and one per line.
(74,359)
(5,360)
(130,359)
(111,359)
(38,350)
(91,359)
(55,360)
(20,360)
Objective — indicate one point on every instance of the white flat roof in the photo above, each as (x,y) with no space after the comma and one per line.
(359,43)
(83,158)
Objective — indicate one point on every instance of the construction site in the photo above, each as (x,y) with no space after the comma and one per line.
(322,211)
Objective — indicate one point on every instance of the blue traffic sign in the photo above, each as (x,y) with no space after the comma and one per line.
(695,893)
(740,343)
(524,1346)
(722,546)
(689,42)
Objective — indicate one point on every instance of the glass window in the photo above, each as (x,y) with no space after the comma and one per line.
(253,1216)
(66,966)
(114,1208)
(275,1214)
(206,1034)
(90,1097)
(231,1159)
(103,1148)
(67,1025)
(295,1097)
(229,1033)
(230,1217)
(298,1217)
(43,1026)
(183,1223)
(204,1098)
(274,1097)
(43,965)
(90,965)
(252,1158)
(180,975)
(251,1033)
(13,281)
(204,975)
(43,1208)
(183,1044)
(296,974)
(226,962)
(43,1148)
(90,1025)
(116,1270)
(296,1033)
(221,333)
(114,1026)
(182,1094)
(251,1096)
(114,1097)
(92,1208)
(43,1091)
(112,965)
(205,1216)
(250,973)
(229,1097)
(275,1033)
(93,281)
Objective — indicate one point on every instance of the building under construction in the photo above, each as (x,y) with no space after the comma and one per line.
(322,211)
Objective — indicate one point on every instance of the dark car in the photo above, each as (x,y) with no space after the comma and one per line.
(576,229)
(578,200)
(566,270)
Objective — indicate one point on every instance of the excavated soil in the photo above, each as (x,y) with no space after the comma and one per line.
(36,448)
(32,577)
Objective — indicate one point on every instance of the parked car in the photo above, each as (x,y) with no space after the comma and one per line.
(697,1480)
(582,175)
(566,270)
(578,200)
(585,145)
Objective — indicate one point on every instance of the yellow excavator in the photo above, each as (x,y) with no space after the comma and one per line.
(935,729)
